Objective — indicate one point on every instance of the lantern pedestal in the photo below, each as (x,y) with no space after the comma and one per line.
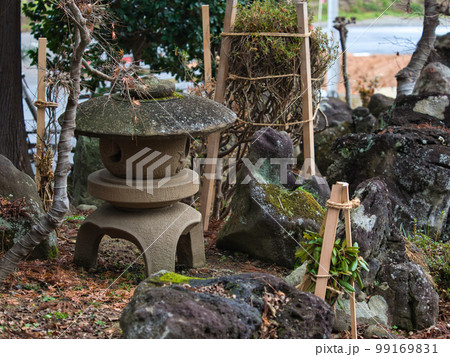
(162,235)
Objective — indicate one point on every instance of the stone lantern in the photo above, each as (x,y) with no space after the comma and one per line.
(144,142)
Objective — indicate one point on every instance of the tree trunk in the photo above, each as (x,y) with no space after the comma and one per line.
(13,142)
(407,77)
(348,93)
(60,206)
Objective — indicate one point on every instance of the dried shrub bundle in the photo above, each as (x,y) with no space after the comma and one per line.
(264,84)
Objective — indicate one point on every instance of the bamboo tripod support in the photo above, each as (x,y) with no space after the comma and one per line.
(339,195)
(207,194)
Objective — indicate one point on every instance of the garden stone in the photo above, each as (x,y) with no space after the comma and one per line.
(84,207)
(421,109)
(296,277)
(267,221)
(397,269)
(363,120)
(414,162)
(269,145)
(85,161)
(379,104)
(434,78)
(226,307)
(373,311)
(378,332)
(15,185)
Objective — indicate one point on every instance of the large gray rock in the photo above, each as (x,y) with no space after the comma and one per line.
(86,160)
(268,222)
(398,274)
(226,307)
(415,164)
(435,78)
(15,185)
(421,109)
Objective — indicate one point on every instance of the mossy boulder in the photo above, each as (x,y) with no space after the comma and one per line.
(268,221)
(226,307)
(16,185)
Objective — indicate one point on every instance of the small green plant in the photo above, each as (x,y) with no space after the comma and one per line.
(74,218)
(47,298)
(437,255)
(345,265)
(100,323)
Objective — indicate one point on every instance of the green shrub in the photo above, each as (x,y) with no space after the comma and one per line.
(345,265)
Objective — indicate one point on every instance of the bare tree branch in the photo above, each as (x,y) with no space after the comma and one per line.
(60,206)
(96,72)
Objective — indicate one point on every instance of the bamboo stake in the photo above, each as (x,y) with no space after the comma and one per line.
(40,129)
(328,242)
(207,194)
(348,237)
(307,108)
(206,45)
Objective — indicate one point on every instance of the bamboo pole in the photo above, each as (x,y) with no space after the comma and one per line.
(206,45)
(328,241)
(40,129)
(348,237)
(307,108)
(207,194)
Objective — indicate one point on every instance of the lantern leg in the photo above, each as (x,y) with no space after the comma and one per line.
(162,235)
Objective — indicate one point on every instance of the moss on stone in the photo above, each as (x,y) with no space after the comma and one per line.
(174,278)
(298,203)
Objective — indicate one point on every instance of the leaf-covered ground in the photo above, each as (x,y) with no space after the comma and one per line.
(58,299)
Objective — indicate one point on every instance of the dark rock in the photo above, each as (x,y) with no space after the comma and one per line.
(339,120)
(15,185)
(86,160)
(421,109)
(363,120)
(442,50)
(435,78)
(273,148)
(379,104)
(336,111)
(414,163)
(396,272)
(234,312)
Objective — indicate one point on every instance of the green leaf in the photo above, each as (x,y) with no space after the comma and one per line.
(346,286)
(354,265)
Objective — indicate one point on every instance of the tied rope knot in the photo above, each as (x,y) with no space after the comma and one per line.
(43,104)
(348,205)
